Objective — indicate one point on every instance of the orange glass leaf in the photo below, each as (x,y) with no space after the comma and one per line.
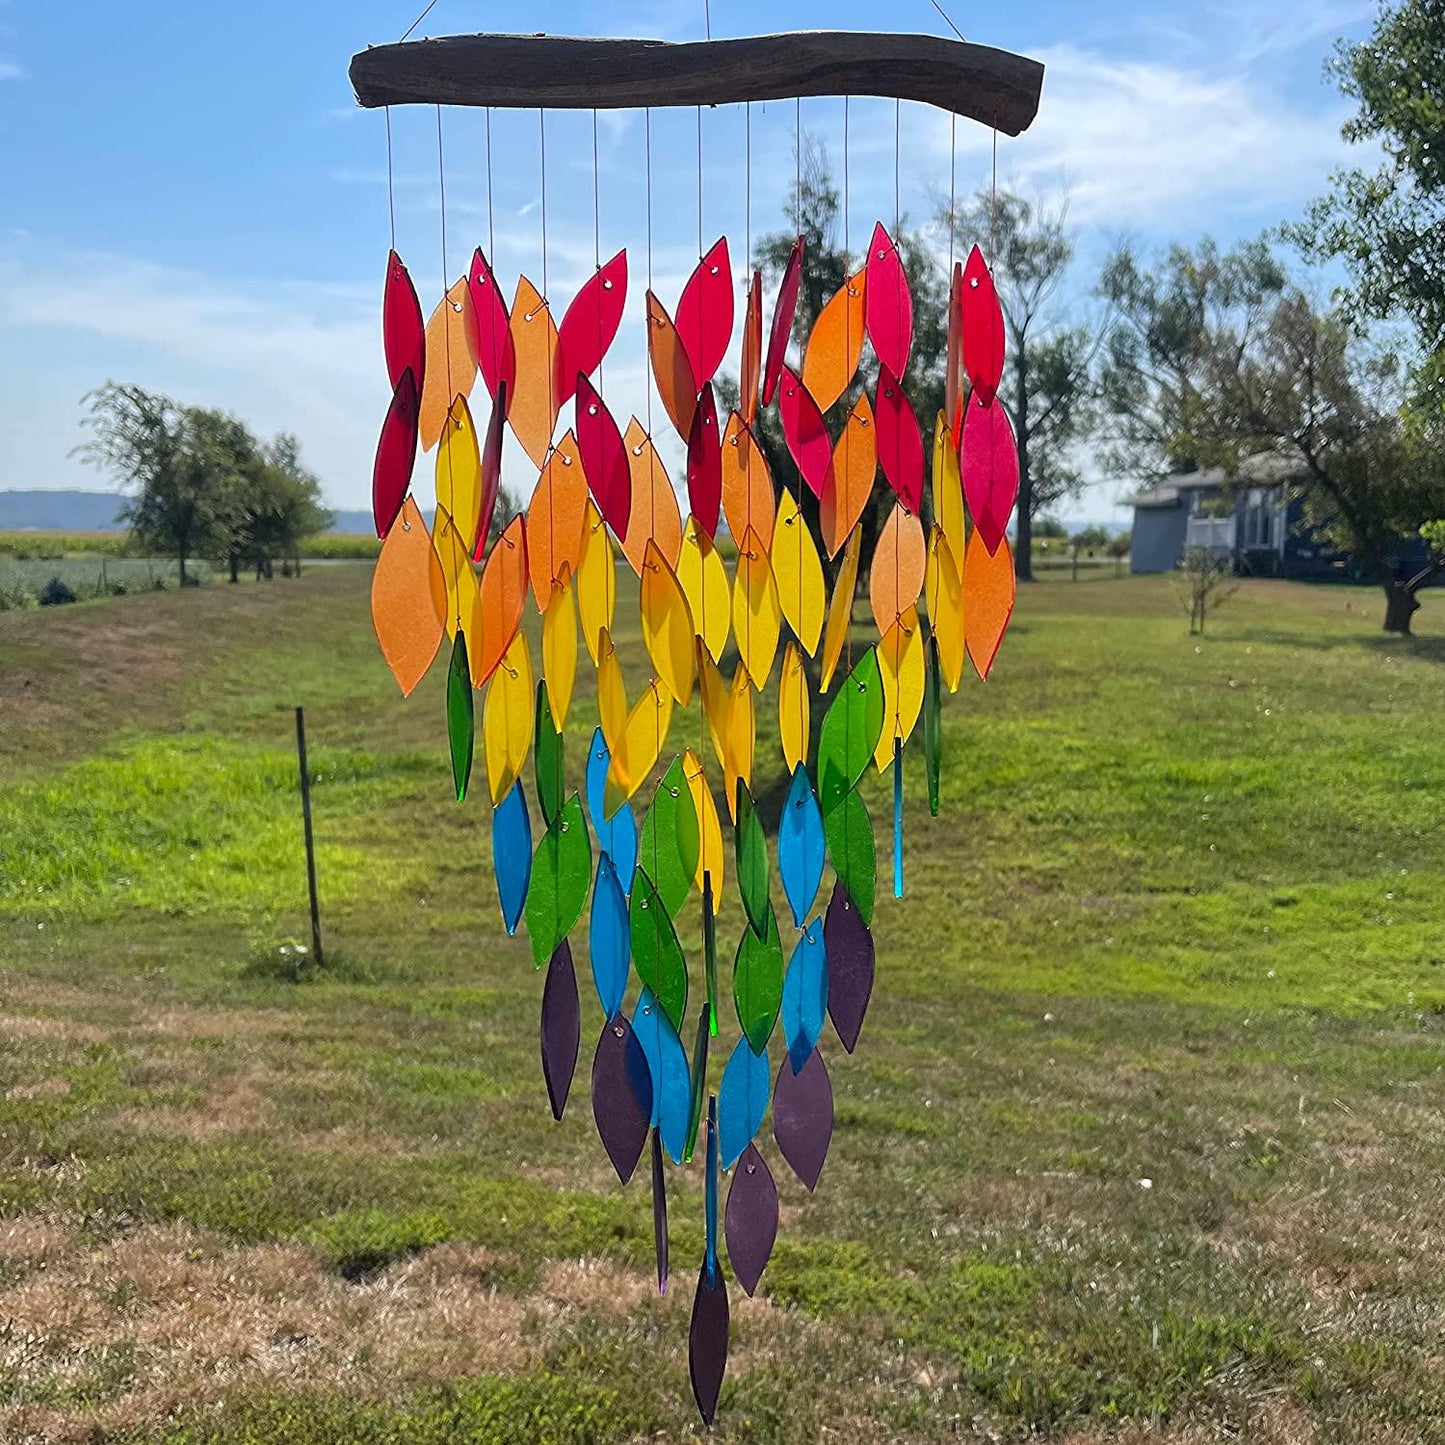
(532,410)
(395,454)
(888,303)
(500,600)
(455,559)
(671,370)
(604,458)
(900,442)
(750,376)
(555,518)
(983,333)
(944,587)
(835,345)
(496,352)
(899,562)
(451,348)
(901,663)
(803,430)
(408,599)
(459,471)
(704,464)
(705,313)
(747,484)
(851,470)
(953,373)
(840,608)
(783,312)
(654,516)
(988,600)
(402,333)
(590,325)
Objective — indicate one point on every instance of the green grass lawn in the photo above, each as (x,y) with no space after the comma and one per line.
(1143,1140)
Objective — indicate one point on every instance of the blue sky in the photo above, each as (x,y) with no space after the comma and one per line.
(190,199)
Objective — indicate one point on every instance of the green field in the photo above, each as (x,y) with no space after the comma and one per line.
(1143,1140)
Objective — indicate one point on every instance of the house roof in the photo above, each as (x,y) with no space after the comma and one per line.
(1262,469)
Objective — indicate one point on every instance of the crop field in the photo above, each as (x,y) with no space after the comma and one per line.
(1143,1140)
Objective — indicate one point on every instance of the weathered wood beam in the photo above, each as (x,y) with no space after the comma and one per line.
(994,87)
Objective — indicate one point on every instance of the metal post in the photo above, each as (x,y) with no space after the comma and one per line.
(310,842)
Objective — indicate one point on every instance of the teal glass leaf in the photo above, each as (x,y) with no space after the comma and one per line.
(853,851)
(850,732)
(752,856)
(655,949)
(805,995)
(609,937)
(561,876)
(742,1101)
(671,840)
(801,846)
(550,763)
(617,835)
(933,723)
(512,855)
(461,726)
(758,982)
(671,1079)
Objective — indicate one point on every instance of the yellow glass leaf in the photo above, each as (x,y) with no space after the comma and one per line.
(654,516)
(461,582)
(840,607)
(667,625)
(555,517)
(740,739)
(900,660)
(596,580)
(944,587)
(451,353)
(559,647)
(899,562)
(948,491)
(793,707)
(850,476)
(408,599)
(835,344)
(611,693)
(709,827)
(714,700)
(459,470)
(704,582)
(747,484)
(757,618)
(532,407)
(507,719)
(639,747)
(798,573)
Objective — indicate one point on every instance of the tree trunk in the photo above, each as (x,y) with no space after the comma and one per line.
(1024,528)
(1401,605)
(235,568)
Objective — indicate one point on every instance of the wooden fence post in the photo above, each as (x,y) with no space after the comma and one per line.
(310,842)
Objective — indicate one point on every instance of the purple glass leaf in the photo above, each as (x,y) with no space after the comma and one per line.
(395,454)
(659,1212)
(621,1095)
(803,1117)
(561,1027)
(751,1221)
(849,945)
(707,1341)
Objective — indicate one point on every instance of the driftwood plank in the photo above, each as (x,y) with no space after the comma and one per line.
(994,87)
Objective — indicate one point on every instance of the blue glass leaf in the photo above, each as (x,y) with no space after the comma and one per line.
(616,836)
(742,1101)
(671,1080)
(512,855)
(801,848)
(805,995)
(609,937)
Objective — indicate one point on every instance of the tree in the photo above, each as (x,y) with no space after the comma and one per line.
(281,506)
(1205,585)
(1047,381)
(1215,358)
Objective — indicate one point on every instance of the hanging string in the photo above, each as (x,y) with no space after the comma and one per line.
(542,131)
(897,114)
(748,171)
(798,158)
(447,327)
(597,239)
(993,201)
(946,18)
(418,20)
(390,183)
(647,132)
(491,229)
(952,185)
(846,253)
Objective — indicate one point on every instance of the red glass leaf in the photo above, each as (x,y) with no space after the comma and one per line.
(888,304)
(704,464)
(491,471)
(395,454)
(803,429)
(900,442)
(604,457)
(590,325)
(752,365)
(989,463)
(705,312)
(782,327)
(403,332)
(983,337)
(953,364)
(496,351)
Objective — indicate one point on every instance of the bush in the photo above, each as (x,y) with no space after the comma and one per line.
(55,594)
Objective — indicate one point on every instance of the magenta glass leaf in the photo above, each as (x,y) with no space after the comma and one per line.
(403,332)
(804,431)
(782,327)
(704,317)
(900,442)
(803,1117)
(491,472)
(659,1212)
(848,942)
(561,1027)
(395,454)
(621,1095)
(704,463)
(887,303)
(604,457)
(751,1221)
(707,1341)
(496,351)
(590,325)
(983,334)
(988,460)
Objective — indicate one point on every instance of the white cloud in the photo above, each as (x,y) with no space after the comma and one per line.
(9,70)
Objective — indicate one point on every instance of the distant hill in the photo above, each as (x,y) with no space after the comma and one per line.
(97,511)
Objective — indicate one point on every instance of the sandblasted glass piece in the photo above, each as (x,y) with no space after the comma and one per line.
(612,708)
(621,1095)
(750,1222)
(751,847)
(604,458)
(888,303)
(549,758)
(853,851)
(402,331)
(710,870)
(803,1117)
(948,512)
(590,324)
(659,1212)
(741,738)
(561,1027)
(654,518)
(758,982)
(408,599)
(512,855)
(617,835)
(672,372)
(460,580)
(559,648)
(900,661)
(751,372)
(933,722)
(900,442)
(561,877)
(794,707)
(835,344)
(596,581)
(707,1341)
(715,702)
(839,622)
(640,745)
(459,471)
(851,470)
(656,953)
(501,599)
(944,587)
(747,482)
(805,432)
(798,574)
(757,616)
(533,405)
(705,312)
(609,937)
(849,944)
(491,474)
(983,329)
(671,1079)
(953,372)
(461,725)
(900,562)
(667,626)
(395,454)
(555,517)
(742,1101)
(508,719)
(451,341)
(850,732)
(704,464)
(704,582)
(784,309)
(496,352)
(805,995)
(988,599)
(801,846)
(671,842)
(989,463)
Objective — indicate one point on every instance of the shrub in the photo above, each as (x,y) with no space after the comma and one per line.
(55,594)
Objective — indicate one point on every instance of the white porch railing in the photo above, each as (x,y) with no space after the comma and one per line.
(1215,534)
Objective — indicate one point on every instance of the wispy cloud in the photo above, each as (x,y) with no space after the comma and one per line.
(9,70)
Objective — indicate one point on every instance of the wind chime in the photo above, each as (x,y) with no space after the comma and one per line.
(604,519)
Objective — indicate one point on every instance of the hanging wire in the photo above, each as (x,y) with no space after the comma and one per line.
(390,182)
(897,116)
(418,20)
(952,184)
(748,171)
(647,133)
(946,18)
(993,199)
(491,228)
(846,252)
(447,326)
(542,131)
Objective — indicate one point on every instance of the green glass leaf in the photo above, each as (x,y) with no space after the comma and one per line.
(461,725)
(709,952)
(933,723)
(548,755)
(671,840)
(853,851)
(699,1083)
(752,856)
(656,952)
(561,876)
(758,982)
(850,732)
